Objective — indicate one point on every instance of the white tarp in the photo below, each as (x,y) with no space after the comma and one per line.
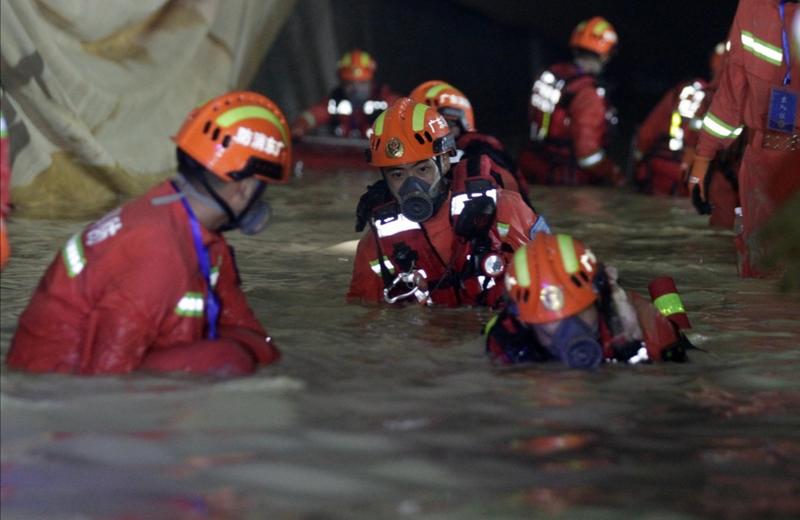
(93,89)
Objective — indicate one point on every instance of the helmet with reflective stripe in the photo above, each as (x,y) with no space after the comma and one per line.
(550,278)
(408,132)
(356,65)
(596,35)
(447,100)
(237,135)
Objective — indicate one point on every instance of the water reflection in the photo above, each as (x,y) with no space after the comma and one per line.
(379,412)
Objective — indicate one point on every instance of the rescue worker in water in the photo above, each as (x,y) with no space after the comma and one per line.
(570,117)
(153,285)
(440,240)
(564,305)
(353,105)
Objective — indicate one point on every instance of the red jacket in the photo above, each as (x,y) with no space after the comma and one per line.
(341,116)
(128,286)
(754,66)
(573,137)
(514,218)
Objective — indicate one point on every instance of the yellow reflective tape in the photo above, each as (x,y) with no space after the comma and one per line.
(377,127)
(717,127)
(600,27)
(761,49)
(347,59)
(237,114)
(568,256)
(669,304)
(418,118)
(365,59)
(489,326)
(675,124)
(521,268)
(434,90)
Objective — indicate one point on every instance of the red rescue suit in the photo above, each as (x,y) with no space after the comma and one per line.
(341,116)
(670,131)
(127,293)
(439,255)
(570,129)
(756,66)
(664,135)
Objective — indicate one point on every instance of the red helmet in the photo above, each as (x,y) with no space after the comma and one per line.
(356,65)
(448,100)
(236,135)
(596,35)
(550,278)
(408,132)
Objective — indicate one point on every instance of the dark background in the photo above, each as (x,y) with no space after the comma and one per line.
(492,51)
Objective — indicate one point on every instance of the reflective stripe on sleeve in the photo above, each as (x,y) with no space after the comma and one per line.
(74,257)
(761,49)
(309,118)
(191,305)
(717,127)
(669,304)
(591,160)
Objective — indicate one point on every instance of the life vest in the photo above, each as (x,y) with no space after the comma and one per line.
(347,117)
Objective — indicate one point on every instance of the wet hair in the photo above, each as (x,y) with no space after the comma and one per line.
(196,173)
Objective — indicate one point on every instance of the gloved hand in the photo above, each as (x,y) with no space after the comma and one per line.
(702,205)
(697,174)
(476,218)
(376,194)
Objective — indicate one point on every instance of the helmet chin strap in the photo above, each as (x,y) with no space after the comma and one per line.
(187,188)
(215,201)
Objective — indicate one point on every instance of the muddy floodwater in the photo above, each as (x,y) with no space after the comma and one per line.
(395,413)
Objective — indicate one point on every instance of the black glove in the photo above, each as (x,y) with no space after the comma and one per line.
(703,207)
(376,195)
(477,218)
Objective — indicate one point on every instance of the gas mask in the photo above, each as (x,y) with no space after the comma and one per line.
(575,344)
(419,200)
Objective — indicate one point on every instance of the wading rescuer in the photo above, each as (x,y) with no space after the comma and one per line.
(566,306)
(440,240)
(666,141)
(153,285)
(759,88)
(473,147)
(570,118)
(353,105)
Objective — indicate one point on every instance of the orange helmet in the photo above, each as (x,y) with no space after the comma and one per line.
(550,278)
(236,135)
(596,35)
(408,132)
(356,65)
(447,100)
